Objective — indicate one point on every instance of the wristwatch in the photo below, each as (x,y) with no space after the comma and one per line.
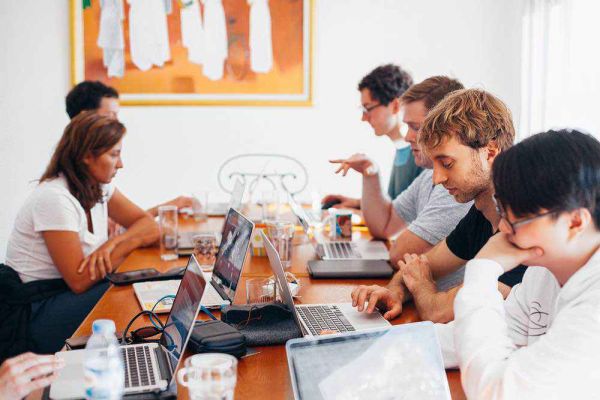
(372,170)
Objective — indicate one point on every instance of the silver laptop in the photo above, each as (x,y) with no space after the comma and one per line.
(314,318)
(150,366)
(235,241)
(338,250)
(235,201)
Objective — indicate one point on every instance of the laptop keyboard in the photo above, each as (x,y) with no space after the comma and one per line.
(138,366)
(324,317)
(211,297)
(341,250)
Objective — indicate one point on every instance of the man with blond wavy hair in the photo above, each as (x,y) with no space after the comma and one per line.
(462,135)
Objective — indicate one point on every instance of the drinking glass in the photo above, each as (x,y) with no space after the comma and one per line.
(167,221)
(209,376)
(281,234)
(206,246)
(200,205)
(260,290)
(270,204)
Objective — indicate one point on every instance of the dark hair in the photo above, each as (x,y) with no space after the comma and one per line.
(431,90)
(87,95)
(554,170)
(87,133)
(386,83)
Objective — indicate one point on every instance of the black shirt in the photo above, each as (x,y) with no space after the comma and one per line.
(470,235)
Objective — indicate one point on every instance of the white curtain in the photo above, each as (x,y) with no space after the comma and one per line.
(560,75)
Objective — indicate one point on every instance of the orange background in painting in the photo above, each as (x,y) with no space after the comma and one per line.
(181,76)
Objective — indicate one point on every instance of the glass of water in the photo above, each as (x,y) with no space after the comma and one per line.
(206,246)
(209,376)
(167,220)
(200,205)
(281,235)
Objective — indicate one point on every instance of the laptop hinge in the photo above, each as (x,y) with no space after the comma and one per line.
(164,365)
(219,290)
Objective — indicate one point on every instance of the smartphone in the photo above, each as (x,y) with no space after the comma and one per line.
(123,278)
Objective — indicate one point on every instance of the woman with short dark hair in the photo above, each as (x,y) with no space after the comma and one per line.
(61,230)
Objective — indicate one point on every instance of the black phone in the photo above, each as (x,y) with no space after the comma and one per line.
(142,275)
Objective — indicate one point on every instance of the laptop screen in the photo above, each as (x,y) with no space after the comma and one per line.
(183,312)
(232,252)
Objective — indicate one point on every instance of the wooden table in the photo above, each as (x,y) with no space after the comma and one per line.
(264,375)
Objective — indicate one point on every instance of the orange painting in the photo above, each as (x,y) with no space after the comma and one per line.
(181,81)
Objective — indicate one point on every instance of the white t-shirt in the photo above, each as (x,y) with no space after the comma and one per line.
(51,207)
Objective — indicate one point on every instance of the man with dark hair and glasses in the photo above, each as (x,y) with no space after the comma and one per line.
(380,93)
(542,342)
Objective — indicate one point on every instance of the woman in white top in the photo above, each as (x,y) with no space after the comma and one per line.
(61,230)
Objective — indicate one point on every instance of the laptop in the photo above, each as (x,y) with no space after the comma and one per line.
(150,366)
(361,364)
(185,245)
(342,249)
(312,319)
(237,231)
(235,201)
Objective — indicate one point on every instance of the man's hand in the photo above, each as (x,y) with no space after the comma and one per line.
(501,250)
(180,202)
(27,372)
(341,201)
(358,162)
(376,296)
(416,273)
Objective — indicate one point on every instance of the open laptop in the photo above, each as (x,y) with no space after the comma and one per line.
(339,250)
(237,231)
(235,201)
(315,318)
(149,366)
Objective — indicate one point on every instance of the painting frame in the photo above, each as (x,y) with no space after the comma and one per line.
(304,99)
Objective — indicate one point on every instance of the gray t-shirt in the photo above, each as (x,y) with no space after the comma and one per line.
(431,212)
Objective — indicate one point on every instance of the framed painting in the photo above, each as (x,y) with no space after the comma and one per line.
(196,52)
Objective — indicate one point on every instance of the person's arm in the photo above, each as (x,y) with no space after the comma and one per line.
(180,202)
(341,201)
(141,231)
(378,213)
(407,242)
(27,372)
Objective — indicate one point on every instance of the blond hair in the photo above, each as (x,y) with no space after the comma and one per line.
(474,116)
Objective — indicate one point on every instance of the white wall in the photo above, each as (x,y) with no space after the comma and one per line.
(477,41)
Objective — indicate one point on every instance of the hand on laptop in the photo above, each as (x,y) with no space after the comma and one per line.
(358,162)
(27,372)
(384,299)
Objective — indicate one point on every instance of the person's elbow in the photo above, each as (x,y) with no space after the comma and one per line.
(438,314)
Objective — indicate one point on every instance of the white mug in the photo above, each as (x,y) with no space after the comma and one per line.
(209,376)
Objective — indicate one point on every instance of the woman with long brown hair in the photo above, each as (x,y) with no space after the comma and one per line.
(61,230)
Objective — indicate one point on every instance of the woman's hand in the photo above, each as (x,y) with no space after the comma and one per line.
(98,262)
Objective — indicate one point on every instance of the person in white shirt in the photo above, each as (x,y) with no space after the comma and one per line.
(542,342)
(61,229)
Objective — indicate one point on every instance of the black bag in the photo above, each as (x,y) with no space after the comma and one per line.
(217,337)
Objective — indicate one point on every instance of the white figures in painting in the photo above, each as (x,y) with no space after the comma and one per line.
(261,46)
(110,37)
(192,32)
(215,39)
(148,33)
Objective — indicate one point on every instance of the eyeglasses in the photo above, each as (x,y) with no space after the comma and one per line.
(367,110)
(514,225)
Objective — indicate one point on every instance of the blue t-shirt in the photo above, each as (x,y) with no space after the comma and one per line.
(404,171)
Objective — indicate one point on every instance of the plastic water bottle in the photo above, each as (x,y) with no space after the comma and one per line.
(104,374)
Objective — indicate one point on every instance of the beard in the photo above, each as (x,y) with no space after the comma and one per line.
(478,182)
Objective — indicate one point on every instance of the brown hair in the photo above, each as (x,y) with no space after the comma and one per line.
(431,90)
(87,133)
(474,116)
